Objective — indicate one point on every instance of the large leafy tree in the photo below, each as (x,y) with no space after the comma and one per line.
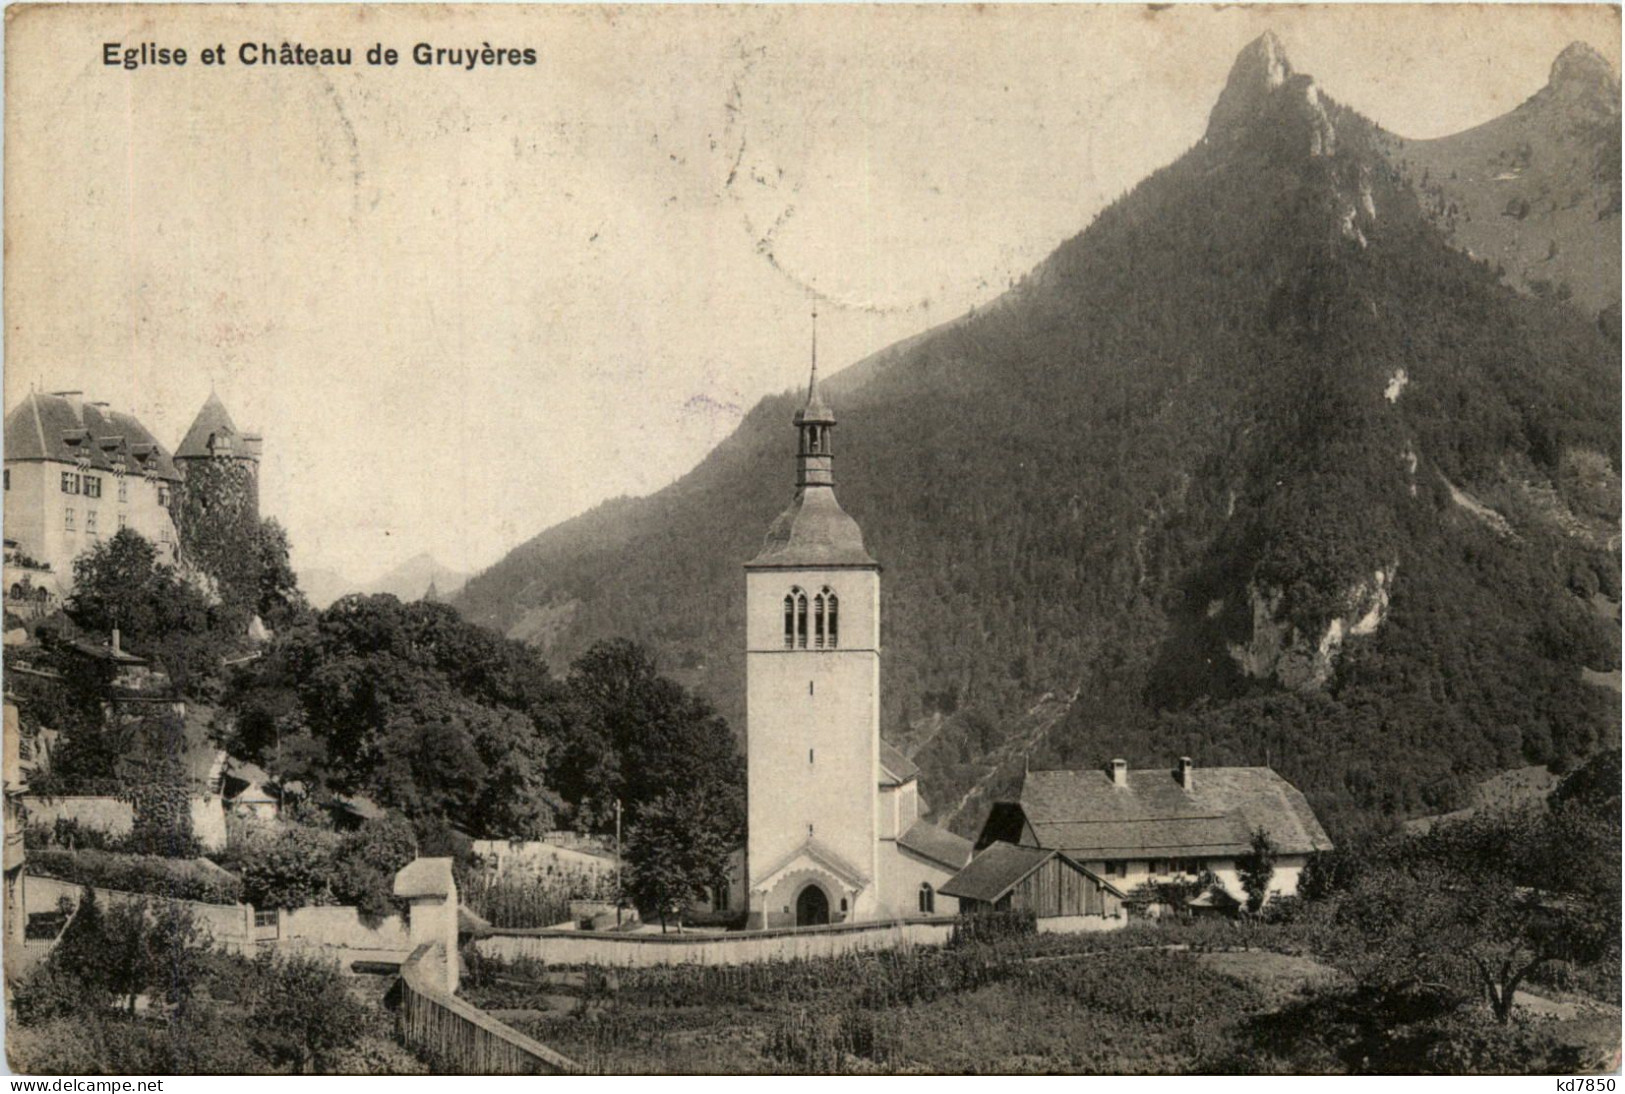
(438,718)
(677,848)
(636,735)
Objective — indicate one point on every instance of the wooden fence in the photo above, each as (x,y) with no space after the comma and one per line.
(459,1037)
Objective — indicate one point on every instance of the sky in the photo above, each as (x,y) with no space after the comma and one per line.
(462,306)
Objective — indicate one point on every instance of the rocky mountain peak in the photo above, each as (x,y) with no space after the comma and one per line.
(1259,69)
(1580,66)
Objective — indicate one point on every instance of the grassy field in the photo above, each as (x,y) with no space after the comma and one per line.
(1147,1001)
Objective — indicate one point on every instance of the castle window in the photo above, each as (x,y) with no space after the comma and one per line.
(93,486)
(121,522)
(67,520)
(70,482)
(928,899)
(90,522)
(123,490)
(801,619)
(818,621)
(790,620)
(163,494)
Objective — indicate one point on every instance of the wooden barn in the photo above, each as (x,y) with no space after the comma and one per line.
(1005,877)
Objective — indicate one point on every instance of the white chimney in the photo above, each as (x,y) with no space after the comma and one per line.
(1186,773)
(1119,772)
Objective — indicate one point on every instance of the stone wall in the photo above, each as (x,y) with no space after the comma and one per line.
(116,817)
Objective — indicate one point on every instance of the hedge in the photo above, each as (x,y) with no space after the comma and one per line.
(177,879)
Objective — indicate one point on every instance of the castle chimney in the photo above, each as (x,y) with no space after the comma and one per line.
(1119,772)
(1186,776)
(76,402)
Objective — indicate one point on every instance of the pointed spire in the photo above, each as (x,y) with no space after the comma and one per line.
(815,410)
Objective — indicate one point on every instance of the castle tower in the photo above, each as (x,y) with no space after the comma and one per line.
(812,667)
(217,507)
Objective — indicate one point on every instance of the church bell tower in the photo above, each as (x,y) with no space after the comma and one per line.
(812,667)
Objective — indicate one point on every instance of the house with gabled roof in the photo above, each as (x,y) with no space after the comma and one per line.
(1137,827)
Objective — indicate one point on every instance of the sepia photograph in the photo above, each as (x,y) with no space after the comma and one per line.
(812,539)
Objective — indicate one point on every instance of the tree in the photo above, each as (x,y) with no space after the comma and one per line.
(1256,869)
(679,847)
(301,1012)
(1474,908)
(280,603)
(637,735)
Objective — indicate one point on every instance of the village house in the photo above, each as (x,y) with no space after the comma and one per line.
(834,828)
(1133,828)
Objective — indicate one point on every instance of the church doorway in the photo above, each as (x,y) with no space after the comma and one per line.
(812,907)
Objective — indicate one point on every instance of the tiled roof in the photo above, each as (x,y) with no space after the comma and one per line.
(51,427)
(937,844)
(1087,816)
(895,768)
(212,419)
(813,532)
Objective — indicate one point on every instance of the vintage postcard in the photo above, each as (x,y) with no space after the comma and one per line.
(812,539)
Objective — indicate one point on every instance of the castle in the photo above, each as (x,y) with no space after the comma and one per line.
(834,828)
(77,472)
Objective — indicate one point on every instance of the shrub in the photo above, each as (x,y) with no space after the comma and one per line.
(177,879)
(993,927)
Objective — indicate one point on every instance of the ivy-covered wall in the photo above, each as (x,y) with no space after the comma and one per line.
(217,514)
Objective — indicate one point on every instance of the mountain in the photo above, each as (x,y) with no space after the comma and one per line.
(412,578)
(1260,467)
(1536,192)
(408,581)
(322,586)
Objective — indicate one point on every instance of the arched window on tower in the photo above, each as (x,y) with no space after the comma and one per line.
(818,622)
(790,619)
(828,619)
(801,619)
(928,899)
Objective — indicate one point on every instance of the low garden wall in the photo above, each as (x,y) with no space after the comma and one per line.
(231,926)
(1081,924)
(457,1036)
(736,948)
(344,931)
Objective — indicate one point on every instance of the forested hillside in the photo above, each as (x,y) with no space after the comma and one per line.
(1256,468)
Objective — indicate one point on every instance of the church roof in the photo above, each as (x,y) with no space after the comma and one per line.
(1084,814)
(213,419)
(814,532)
(937,844)
(895,768)
(65,428)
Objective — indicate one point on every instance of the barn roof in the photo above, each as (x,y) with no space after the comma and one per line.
(895,768)
(1001,867)
(1088,816)
(937,844)
(66,429)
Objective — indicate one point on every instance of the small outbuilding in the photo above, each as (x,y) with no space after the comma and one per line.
(1005,877)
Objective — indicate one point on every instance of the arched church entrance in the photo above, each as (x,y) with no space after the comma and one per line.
(812,907)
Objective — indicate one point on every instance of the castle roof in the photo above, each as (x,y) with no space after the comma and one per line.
(66,429)
(813,533)
(1088,816)
(211,421)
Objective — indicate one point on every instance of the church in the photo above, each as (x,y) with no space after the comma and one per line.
(835,834)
